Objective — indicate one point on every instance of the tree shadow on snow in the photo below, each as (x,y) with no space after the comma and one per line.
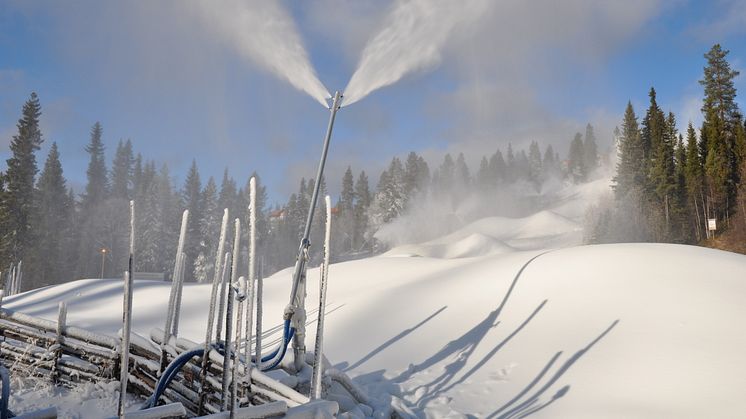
(462,348)
(393,340)
(531,404)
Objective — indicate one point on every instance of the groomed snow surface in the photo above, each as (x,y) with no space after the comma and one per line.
(503,318)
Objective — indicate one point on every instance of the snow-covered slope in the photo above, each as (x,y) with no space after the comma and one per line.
(502,318)
(629,330)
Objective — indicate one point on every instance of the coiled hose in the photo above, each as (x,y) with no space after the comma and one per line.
(178,363)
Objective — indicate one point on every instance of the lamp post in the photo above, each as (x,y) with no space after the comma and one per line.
(103,260)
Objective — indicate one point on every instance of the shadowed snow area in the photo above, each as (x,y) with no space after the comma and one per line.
(488,322)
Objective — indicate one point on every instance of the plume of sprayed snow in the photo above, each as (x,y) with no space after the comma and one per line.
(265,33)
(412,37)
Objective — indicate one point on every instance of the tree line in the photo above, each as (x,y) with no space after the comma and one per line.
(61,235)
(669,184)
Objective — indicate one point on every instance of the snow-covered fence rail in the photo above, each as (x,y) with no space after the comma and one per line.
(53,349)
(68,354)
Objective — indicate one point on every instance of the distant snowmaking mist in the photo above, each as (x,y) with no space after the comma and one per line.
(411,39)
(265,33)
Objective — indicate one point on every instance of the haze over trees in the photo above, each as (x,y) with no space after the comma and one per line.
(62,235)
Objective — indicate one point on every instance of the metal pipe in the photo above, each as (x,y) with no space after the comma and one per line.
(324,280)
(295,309)
(304,243)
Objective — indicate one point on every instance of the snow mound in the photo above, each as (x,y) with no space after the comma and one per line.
(497,235)
(611,331)
(473,245)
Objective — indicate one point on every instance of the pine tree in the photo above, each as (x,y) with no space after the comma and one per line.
(550,164)
(483,179)
(694,173)
(653,145)
(498,169)
(630,174)
(138,188)
(362,203)
(17,204)
(680,207)
(122,170)
(416,176)
(346,217)
(662,174)
(347,196)
(444,182)
(209,231)
(96,190)
(191,199)
(50,226)
(510,166)
(228,195)
(590,150)
(719,131)
(388,202)
(576,160)
(95,215)
(535,169)
(522,166)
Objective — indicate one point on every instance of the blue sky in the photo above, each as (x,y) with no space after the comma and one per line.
(526,71)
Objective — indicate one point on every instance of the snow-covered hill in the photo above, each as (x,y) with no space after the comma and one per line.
(475,325)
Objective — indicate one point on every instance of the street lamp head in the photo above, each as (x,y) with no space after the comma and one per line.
(103,250)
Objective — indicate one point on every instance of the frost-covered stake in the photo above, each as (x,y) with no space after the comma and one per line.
(174,289)
(229,313)
(225,277)
(61,322)
(226,342)
(177,307)
(240,290)
(252,276)
(211,313)
(259,292)
(317,358)
(18,277)
(127,317)
(125,355)
(11,279)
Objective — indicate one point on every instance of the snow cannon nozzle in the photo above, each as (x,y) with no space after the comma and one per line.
(336,101)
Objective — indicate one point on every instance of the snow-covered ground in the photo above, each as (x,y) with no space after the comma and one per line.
(502,318)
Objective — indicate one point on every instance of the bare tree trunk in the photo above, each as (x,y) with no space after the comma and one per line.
(697,226)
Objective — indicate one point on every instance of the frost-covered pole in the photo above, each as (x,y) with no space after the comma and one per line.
(225,277)
(317,358)
(174,289)
(229,314)
(252,275)
(211,313)
(61,322)
(11,279)
(127,316)
(177,307)
(216,279)
(259,287)
(295,310)
(240,288)
(19,277)
(124,362)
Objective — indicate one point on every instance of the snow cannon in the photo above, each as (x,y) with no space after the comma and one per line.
(295,313)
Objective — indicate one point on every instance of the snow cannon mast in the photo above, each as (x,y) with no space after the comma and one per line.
(295,311)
